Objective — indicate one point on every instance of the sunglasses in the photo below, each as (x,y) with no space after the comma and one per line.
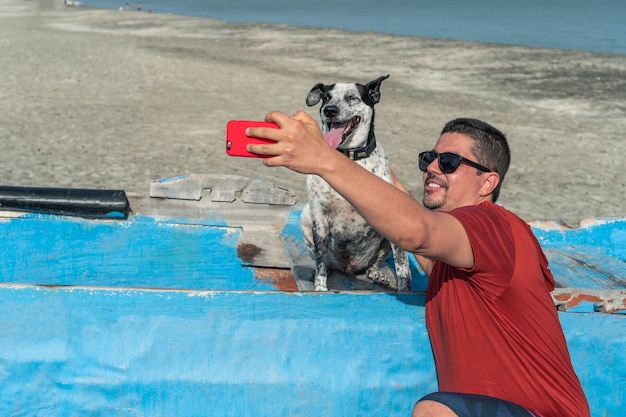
(448,161)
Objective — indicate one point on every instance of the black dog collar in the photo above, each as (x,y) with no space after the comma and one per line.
(363,152)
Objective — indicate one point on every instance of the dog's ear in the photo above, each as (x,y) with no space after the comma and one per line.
(373,88)
(315,95)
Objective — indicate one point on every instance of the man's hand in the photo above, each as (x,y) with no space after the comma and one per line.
(300,145)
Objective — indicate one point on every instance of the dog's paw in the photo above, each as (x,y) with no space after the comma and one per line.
(382,276)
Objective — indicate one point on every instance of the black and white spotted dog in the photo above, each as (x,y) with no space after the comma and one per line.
(333,230)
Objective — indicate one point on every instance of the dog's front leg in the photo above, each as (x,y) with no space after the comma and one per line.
(320,242)
(403,272)
(321,279)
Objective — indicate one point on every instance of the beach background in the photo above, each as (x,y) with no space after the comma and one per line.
(98,98)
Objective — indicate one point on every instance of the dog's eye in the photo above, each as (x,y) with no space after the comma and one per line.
(325,97)
(352,97)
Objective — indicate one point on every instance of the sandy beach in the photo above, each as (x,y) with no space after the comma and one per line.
(108,99)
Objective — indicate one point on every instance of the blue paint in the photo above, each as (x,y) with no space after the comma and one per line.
(115,215)
(139,252)
(210,353)
(608,234)
(193,353)
(592,256)
(597,343)
(104,346)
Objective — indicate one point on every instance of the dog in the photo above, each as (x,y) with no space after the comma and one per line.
(336,234)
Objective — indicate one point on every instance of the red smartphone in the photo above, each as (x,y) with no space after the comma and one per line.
(236,139)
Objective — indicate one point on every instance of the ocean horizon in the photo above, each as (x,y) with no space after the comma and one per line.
(582,25)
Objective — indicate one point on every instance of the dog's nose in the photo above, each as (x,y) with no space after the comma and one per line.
(331,111)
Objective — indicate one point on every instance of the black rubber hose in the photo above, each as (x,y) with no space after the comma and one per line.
(66,201)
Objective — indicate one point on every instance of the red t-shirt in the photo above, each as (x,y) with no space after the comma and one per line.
(494,329)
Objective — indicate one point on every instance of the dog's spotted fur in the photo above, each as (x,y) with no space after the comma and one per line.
(333,230)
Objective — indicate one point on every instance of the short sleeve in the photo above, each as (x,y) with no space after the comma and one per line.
(493,244)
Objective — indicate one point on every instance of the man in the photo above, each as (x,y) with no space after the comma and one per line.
(498,345)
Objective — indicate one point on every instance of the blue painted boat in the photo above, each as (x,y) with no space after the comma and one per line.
(196,300)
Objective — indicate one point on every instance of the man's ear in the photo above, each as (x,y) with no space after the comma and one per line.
(490,181)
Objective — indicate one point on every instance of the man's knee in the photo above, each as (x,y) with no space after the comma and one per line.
(427,408)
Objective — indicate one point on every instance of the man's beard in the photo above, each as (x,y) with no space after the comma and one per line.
(429,202)
(433,204)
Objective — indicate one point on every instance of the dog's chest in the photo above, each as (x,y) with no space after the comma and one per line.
(325,202)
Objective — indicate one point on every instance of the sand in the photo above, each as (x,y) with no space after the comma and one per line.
(107,99)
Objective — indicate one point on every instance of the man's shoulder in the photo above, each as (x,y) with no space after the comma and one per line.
(487,216)
(483,209)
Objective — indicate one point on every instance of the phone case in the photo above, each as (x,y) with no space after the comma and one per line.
(236,139)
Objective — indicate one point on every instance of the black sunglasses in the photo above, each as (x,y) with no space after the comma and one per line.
(448,161)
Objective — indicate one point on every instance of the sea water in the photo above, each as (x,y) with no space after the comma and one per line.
(585,25)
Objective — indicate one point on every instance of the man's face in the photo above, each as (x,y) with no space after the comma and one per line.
(444,192)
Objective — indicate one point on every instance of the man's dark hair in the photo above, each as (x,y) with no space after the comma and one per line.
(490,148)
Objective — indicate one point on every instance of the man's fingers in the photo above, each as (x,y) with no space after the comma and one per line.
(297,137)
(274,161)
(262,149)
(304,118)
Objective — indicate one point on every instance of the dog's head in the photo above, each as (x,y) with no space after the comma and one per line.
(347,111)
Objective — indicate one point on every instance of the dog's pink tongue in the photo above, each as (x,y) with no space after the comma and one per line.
(334,135)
